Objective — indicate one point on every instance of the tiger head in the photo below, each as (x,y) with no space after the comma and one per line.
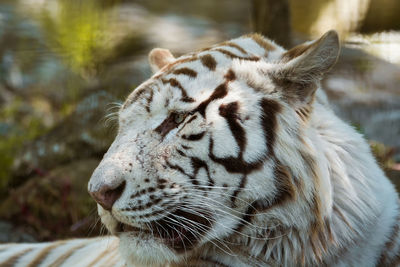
(215,147)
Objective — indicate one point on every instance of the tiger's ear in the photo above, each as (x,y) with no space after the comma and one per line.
(303,66)
(159,57)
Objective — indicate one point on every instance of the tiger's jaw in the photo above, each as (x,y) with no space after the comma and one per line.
(164,240)
(181,231)
(160,242)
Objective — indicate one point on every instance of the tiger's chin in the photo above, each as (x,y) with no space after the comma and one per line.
(155,247)
(157,242)
(139,247)
(140,250)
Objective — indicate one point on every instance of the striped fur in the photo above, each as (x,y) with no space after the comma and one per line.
(231,156)
(99,252)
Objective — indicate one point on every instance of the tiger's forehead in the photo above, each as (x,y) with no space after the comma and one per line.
(248,47)
(216,60)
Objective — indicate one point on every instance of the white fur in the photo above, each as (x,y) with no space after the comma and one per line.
(341,212)
(348,178)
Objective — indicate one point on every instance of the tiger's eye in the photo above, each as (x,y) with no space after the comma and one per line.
(179,117)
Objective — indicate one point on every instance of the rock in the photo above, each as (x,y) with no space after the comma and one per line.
(394,176)
(83,134)
(55,205)
(9,234)
(364,91)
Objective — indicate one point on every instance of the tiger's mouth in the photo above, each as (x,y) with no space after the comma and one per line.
(180,230)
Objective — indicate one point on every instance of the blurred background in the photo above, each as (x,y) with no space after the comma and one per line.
(66,64)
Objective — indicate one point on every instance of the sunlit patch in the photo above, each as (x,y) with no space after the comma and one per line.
(385,45)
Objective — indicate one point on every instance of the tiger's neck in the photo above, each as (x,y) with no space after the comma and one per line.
(349,215)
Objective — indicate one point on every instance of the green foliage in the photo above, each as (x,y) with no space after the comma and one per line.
(363,65)
(21,129)
(88,36)
(78,33)
(358,127)
(55,203)
(383,154)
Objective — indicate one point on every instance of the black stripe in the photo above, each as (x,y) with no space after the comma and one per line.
(180,152)
(61,259)
(144,207)
(197,164)
(230,75)
(270,109)
(230,113)
(166,104)
(219,92)
(185,71)
(149,99)
(208,61)
(254,207)
(174,82)
(238,165)
(242,184)
(178,168)
(234,45)
(9,262)
(42,255)
(233,56)
(193,137)
(285,192)
(284,183)
(234,165)
(167,125)
(191,119)
(165,211)
(186,123)
(134,98)
(142,192)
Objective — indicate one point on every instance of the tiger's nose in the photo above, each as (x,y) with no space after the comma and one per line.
(106,195)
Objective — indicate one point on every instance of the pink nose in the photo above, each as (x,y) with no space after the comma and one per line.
(106,195)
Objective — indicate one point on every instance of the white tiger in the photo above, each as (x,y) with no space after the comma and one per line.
(230,156)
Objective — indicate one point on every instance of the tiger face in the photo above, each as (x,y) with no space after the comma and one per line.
(208,142)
